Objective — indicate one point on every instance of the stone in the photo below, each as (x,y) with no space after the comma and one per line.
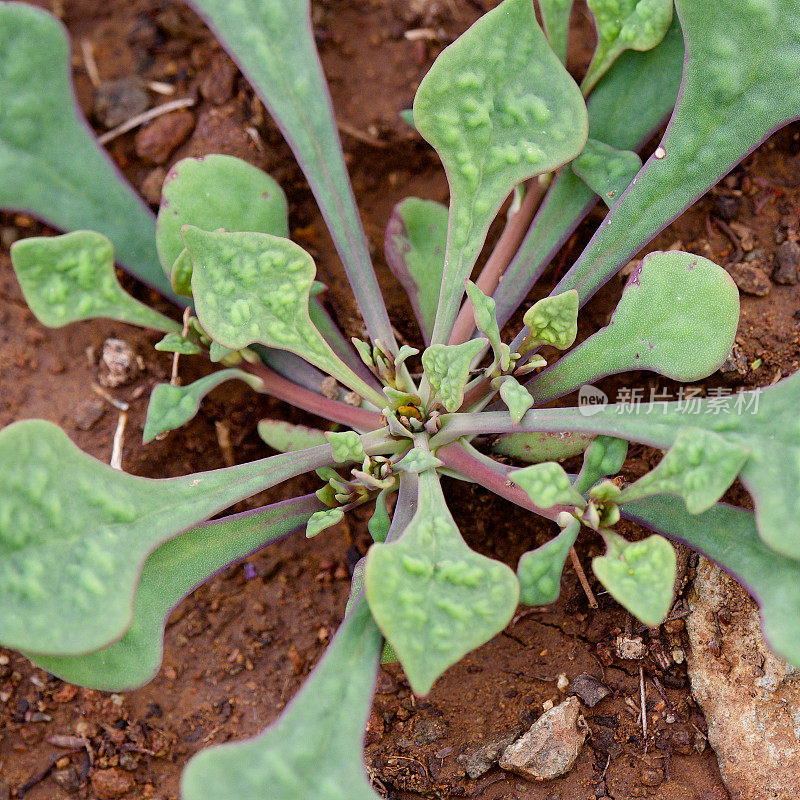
(88,412)
(735,362)
(108,784)
(68,779)
(156,142)
(151,185)
(218,83)
(118,100)
(589,689)
(120,363)
(727,206)
(750,279)
(750,697)
(551,746)
(5,790)
(787,264)
(480,758)
(630,647)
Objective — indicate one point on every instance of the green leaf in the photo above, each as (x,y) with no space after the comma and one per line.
(322,520)
(499,107)
(50,164)
(699,467)
(539,571)
(516,397)
(604,456)
(71,277)
(416,236)
(176,343)
(486,323)
(551,320)
(215,192)
(677,316)
(346,446)
(625,108)
(217,353)
(739,85)
(265,37)
(555,16)
(625,25)
(254,287)
(763,421)
(537,447)
(172,406)
(433,598)
(180,276)
(447,368)
(547,485)
(286,437)
(314,749)
(170,573)
(772,579)
(605,170)
(418,460)
(380,521)
(638,575)
(75,533)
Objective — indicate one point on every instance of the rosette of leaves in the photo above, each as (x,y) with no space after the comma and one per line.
(505,117)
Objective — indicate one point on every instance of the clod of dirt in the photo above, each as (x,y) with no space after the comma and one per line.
(117,101)
(735,362)
(119,362)
(478,760)
(630,647)
(727,206)
(68,779)
(551,746)
(111,783)
(88,412)
(156,142)
(589,689)
(5,790)
(151,185)
(750,279)
(217,85)
(787,263)
(750,697)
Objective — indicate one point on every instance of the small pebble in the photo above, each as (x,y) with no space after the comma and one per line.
(111,783)
(68,779)
(88,413)
(750,279)
(151,186)
(787,264)
(589,689)
(218,84)
(156,142)
(116,101)
(631,648)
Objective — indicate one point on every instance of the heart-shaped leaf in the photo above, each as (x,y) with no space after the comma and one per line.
(551,320)
(254,287)
(539,571)
(176,343)
(624,25)
(605,170)
(547,485)
(264,37)
(214,192)
(604,456)
(172,571)
(322,520)
(71,277)
(447,368)
(416,237)
(172,406)
(314,749)
(75,533)
(418,460)
(433,598)
(50,164)
(285,437)
(516,397)
(689,337)
(638,575)
(772,579)
(699,467)
(499,107)
(628,104)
